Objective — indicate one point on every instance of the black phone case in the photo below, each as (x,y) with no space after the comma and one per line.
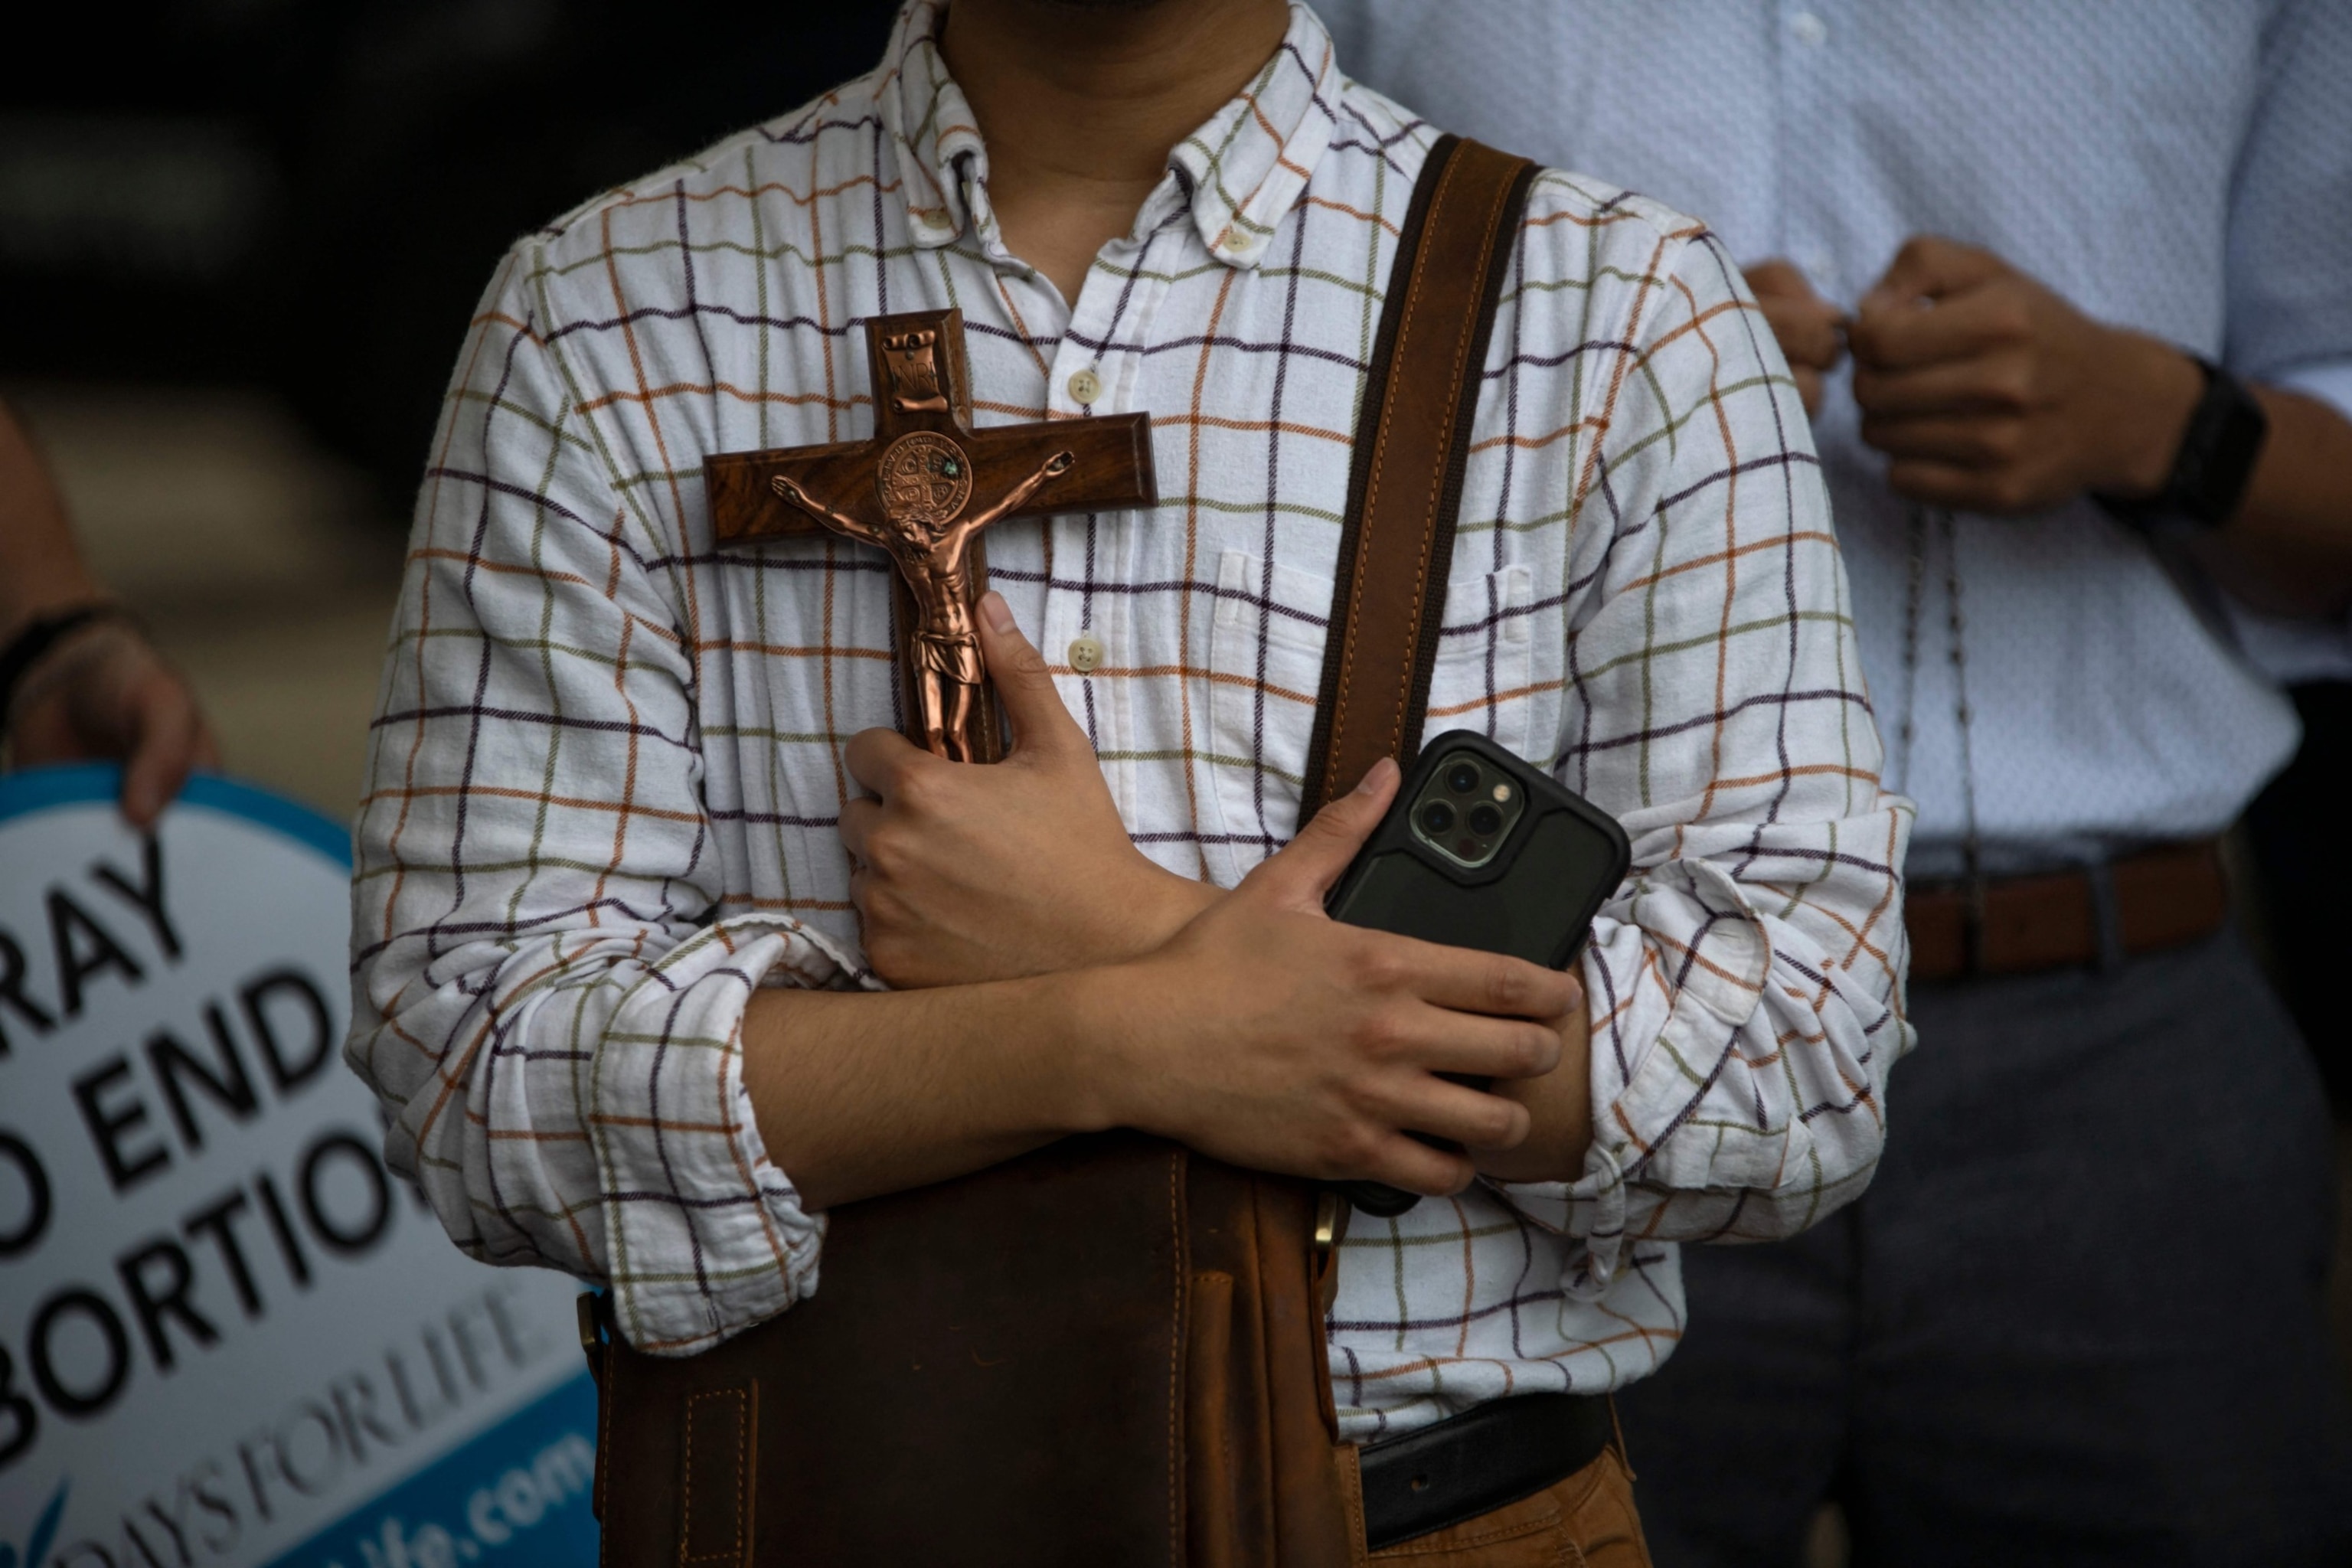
(1535,900)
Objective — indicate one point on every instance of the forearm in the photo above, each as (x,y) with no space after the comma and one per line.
(2289,548)
(1263,1035)
(40,567)
(1560,1107)
(862,1093)
(2301,491)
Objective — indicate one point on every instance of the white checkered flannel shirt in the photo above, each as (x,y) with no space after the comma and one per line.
(607,766)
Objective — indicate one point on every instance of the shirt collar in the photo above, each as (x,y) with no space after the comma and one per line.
(1239,172)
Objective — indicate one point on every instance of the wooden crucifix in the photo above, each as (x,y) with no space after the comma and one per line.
(922,486)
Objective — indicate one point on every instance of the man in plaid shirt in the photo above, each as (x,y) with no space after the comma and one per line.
(665,941)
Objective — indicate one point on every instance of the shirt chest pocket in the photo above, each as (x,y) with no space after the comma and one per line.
(1266,671)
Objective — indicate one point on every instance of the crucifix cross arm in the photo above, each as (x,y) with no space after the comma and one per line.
(790,489)
(891,538)
(921,392)
(923,487)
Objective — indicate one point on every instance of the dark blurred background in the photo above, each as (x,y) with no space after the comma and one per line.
(239,241)
(308,197)
(2302,862)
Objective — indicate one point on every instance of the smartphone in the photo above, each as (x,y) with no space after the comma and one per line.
(1479,850)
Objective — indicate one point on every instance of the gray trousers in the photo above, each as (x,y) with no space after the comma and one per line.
(2077,1317)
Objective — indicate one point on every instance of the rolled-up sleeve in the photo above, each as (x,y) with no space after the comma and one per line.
(1744,983)
(542,998)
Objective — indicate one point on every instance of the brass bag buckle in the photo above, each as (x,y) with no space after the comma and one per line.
(1332,1212)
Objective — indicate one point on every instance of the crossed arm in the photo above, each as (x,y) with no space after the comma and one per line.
(596,1056)
(1038,958)
(1051,980)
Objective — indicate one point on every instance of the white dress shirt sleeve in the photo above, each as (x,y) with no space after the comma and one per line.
(2288,282)
(2289,285)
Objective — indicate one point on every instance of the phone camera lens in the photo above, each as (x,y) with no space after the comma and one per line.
(1436,818)
(1462,777)
(1485,820)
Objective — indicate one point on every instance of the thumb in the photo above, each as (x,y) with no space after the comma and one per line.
(1303,871)
(165,735)
(1024,684)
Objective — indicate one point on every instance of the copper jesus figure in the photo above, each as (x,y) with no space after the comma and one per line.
(929,537)
(909,491)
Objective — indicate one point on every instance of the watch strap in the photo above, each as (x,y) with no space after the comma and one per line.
(2214,463)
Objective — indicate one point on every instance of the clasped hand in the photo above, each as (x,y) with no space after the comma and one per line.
(1247,1024)
(1988,391)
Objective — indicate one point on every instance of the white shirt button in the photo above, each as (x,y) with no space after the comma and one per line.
(1085,652)
(1809,28)
(1084,386)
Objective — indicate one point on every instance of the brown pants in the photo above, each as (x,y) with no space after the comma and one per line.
(1585,1521)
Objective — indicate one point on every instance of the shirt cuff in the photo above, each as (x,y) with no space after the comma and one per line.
(1589,1212)
(705,1236)
(1657,1059)
(2290,651)
(2329,381)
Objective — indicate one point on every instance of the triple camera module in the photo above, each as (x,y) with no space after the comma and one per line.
(1466,809)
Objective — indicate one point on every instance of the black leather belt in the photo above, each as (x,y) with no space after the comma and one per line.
(1473,1463)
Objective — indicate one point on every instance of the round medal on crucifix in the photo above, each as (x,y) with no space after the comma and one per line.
(923,478)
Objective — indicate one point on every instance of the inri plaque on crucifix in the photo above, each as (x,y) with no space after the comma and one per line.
(922,488)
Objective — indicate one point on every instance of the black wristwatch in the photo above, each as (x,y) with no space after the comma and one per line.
(2215,460)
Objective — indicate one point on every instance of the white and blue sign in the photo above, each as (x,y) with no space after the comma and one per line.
(228,1336)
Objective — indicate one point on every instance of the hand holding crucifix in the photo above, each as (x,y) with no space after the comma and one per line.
(907,491)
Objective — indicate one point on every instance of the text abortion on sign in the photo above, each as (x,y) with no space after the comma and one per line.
(224,1325)
(140,1110)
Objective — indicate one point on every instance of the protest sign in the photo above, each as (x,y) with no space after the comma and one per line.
(228,1336)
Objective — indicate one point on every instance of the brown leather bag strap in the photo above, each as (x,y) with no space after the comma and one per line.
(1412,443)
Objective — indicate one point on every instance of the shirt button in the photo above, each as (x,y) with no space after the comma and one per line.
(1084,386)
(1085,652)
(1809,28)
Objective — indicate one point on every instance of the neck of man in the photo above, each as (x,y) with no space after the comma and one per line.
(1081,100)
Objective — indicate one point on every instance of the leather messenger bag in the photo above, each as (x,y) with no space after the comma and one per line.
(1109,1351)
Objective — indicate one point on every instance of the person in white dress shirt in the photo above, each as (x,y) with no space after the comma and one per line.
(2069,290)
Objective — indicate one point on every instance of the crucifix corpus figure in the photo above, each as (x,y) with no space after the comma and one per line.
(910,490)
(925,486)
